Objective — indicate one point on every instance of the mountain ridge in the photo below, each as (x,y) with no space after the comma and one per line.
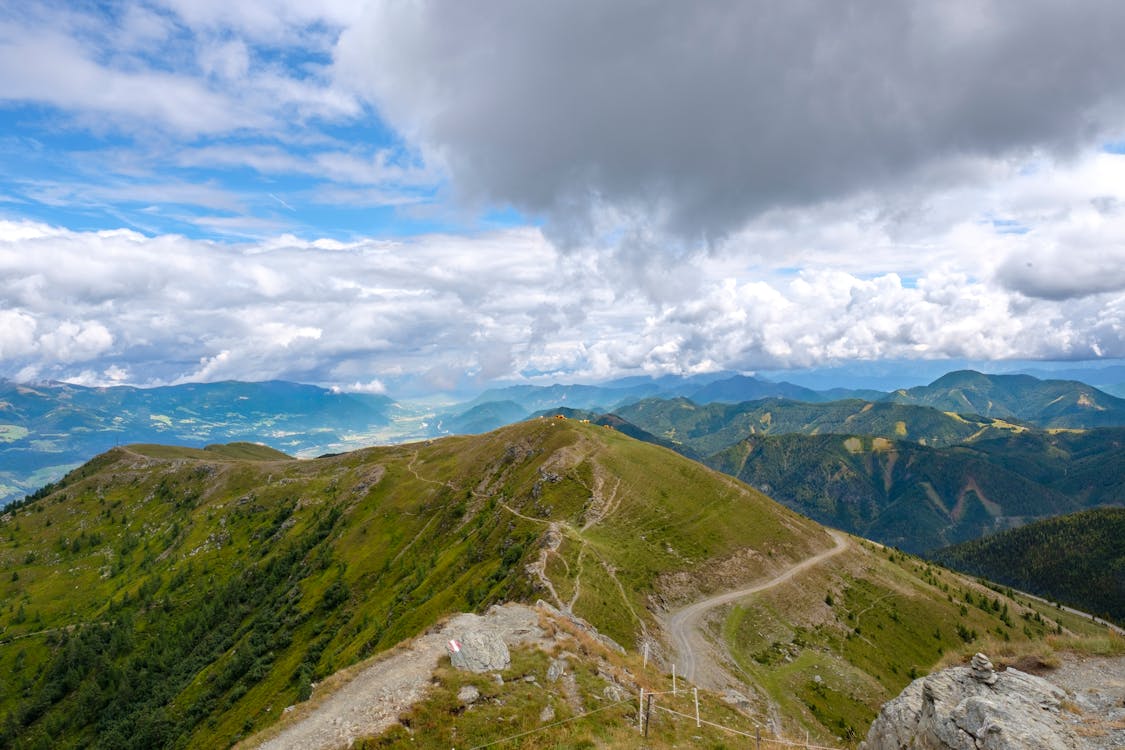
(1045,403)
(202,591)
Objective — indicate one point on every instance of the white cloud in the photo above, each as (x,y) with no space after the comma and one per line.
(739,185)
(190,70)
(17,335)
(374,387)
(70,341)
(442,310)
(48,67)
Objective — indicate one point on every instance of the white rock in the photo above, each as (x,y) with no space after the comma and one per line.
(481,651)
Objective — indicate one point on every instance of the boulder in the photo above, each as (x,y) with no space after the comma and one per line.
(973,708)
(480,650)
(556,669)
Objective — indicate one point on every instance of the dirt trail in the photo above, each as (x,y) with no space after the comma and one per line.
(372,700)
(693,654)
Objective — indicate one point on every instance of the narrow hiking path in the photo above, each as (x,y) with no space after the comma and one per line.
(689,645)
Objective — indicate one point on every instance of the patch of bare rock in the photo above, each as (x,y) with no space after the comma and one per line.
(979,708)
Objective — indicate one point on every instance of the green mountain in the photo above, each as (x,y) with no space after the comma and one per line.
(710,428)
(1045,403)
(46,430)
(919,498)
(1088,465)
(180,597)
(483,417)
(1077,559)
(496,407)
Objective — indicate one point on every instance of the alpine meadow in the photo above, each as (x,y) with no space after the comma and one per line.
(562,375)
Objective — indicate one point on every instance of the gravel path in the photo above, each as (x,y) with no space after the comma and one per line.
(1096,686)
(388,685)
(693,653)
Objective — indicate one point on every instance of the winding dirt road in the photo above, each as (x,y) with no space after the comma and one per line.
(683,624)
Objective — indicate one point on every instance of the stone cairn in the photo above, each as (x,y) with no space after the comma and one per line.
(982,669)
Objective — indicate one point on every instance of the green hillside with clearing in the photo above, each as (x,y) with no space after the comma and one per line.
(1077,559)
(920,498)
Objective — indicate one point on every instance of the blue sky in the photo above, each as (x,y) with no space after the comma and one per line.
(340,179)
(432,195)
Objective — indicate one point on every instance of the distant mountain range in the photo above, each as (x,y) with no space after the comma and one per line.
(497,407)
(49,428)
(1012,398)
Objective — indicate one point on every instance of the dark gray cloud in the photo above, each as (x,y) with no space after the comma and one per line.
(698,116)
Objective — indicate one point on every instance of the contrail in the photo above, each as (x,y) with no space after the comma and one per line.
(283,202)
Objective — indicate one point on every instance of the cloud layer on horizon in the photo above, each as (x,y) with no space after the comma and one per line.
(442,311)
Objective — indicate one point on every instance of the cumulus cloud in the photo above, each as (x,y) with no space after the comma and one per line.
(373,387)
(442,311)
(697,118)
(738,185)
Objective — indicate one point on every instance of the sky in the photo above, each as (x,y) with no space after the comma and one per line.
(420,196)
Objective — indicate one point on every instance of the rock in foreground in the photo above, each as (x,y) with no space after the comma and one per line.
(974,708)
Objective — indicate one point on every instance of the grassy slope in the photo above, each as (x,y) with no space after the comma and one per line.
(221,588)
(167,598)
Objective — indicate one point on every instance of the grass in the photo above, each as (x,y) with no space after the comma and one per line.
(873,622)
(234,578)
(1040,655)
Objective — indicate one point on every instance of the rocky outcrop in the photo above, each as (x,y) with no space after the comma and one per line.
(974,708)
(480,650)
